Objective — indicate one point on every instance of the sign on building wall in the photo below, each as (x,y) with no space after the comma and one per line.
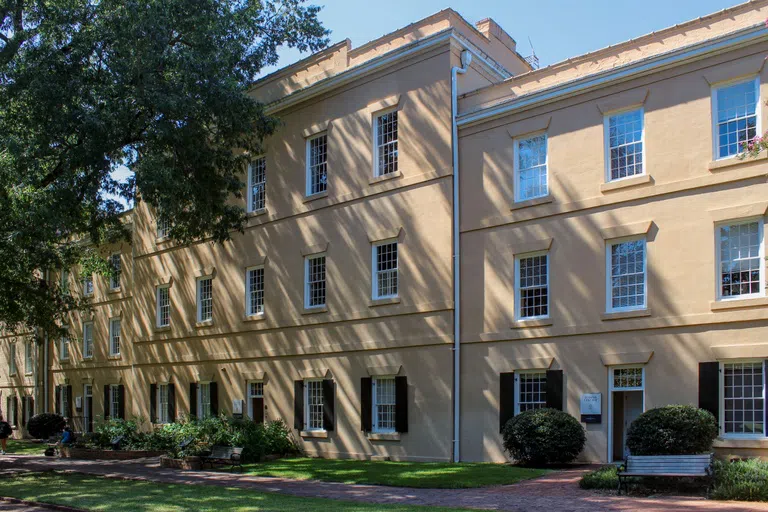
(78,402)
(237,408)
(591,407)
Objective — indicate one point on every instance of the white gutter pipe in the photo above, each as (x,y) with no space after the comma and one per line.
(466,59)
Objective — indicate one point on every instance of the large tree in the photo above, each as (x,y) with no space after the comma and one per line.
(155,85)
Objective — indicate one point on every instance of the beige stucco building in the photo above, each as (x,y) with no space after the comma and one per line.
(609,245)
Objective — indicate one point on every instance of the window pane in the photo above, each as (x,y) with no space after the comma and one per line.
(163,306)
(316,281)
(205,299)
(255,291)
(743,398)
(258,178)
(534,286)
(88,340)
(384,419)
(532,168)
(625,144)
(114,335)
(117,270)
(627,378)
(736,117)
(628,275)
(386,270)
(532,391)
(317,168)
(740,262)
(314,404)
(386,143)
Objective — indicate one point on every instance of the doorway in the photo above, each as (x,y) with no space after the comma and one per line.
(626,403)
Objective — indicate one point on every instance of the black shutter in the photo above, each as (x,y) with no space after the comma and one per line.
(57,399)
(69,403)
(106,402)
(121,401)
(555,389)
(153,403)
(765,409)
(298,405)
(366,404)
(16,410)
(709,388)
(214,399)
(257,406)
(24,411)
(89,404)
(171,403)
(506,398)
(7,416)
(328,405)
(31,406)
(193,399)
(401,404)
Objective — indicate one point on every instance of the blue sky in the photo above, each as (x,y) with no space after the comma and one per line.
(559,29)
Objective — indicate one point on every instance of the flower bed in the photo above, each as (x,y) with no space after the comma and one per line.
(90,454)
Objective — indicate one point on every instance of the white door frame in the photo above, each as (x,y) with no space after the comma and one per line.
(611,390)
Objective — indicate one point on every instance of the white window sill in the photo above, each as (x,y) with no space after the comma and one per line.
(87,358)
(632,181)
(258,317)
(621,315)
(203,323)
(536,201)
(314,434)
(163,328)
(114,356)
(385,177)
(531,322)
(726,441)
(314,310)
(115,290)
(256,213)
(314,197)
(720,305)
(28,374)
(383,436)
(732,161)
(383,301)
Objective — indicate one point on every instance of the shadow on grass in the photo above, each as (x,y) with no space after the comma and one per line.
(398,474)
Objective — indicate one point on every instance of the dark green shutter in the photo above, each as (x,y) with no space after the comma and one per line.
(214,399)
(121,401)
(555,389)
(328,405)
(709,388)
(57,399)
(69,402)
(153,403)
(506,398)
(366,404)
(106,402)
(193,399)
(401,404)
(298,405)
(171,403)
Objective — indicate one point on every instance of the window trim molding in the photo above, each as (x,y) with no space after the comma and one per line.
(754,78)
(85,352)
(248,313)
(112,353)
(119,286)
(249,198)
(721,405)
(198,300)
(158,314)
(375,132)
(307,427)
(308,194)
(518,257)
(532,371)
(607,142)
(609,243)
(375,429)
(516,164)
(307,258)
(374,269)
(718,260)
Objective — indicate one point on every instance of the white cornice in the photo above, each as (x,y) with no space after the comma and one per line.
(673,58)
(387,60)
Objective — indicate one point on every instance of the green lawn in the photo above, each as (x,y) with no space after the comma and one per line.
(401,474)
(25,447)
(97,493)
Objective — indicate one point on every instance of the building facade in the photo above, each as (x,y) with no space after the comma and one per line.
(610,249)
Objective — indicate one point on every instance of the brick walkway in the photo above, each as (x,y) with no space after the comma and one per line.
(554,492)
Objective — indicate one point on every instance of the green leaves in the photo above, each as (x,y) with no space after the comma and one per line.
(156,85)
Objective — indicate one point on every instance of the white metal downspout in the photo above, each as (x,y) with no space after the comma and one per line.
(466,58)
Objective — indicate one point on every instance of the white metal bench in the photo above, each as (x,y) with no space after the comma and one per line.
(674,466)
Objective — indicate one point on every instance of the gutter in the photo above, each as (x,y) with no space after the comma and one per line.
(466,59)
(648,65)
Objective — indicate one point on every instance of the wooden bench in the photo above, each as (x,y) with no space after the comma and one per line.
(223,455)
(672,466)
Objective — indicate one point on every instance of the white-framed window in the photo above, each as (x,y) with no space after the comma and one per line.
(532,286)
(163,225)
(255,390)
(257,185)
(313,400)
(163,301)
(64,281)
(29,410)
(204,400)
(531,179)
(530,390)
(742,405)
(63,401)
(64,347)
(740,260)
(384,404)
(117,271)
(314,281)
(385,143)
(87,340)
(12,358)
(736,118)
(317,164)
(162,413)
(626,286)
(624,144)
(114,336)
(254,291)
(29,357)
(385,274)
(628,379)
(114,401)
(205,299)
(88,285)
(87,406)
(13,413)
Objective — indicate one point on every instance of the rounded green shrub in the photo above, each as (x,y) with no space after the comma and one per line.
(672,430)
(544,436)
(45,425)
